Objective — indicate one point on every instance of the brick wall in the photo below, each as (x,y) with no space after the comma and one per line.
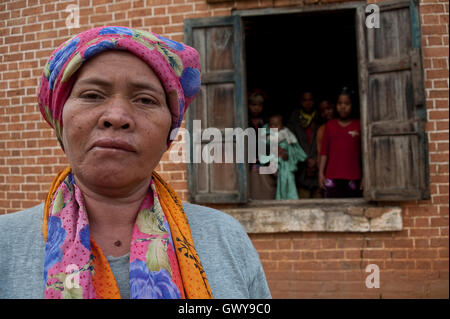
(413,262)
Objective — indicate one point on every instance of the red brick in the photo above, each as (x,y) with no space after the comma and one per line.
(398,243)
(430,19)
(13,39)
(159,11)
(439,242)
(437,74)
(330,254)
(286,265)
(156,21)
(308,255)
(422,253)
(431,8)
(285,255)
(119,6)
(104,18)
(180,9)
(265,244)
(435,52)
(421,276)
(443,253)
(305,244)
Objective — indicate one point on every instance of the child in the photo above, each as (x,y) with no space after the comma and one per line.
(303,123)
(255,109)
(290,153)
(262,186)
(326,109)
(340,154)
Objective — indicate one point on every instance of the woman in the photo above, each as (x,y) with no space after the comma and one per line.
(111,227)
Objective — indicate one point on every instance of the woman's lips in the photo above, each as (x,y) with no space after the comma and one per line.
(113,144)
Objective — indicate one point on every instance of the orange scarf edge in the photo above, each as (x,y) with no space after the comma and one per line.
(198,287)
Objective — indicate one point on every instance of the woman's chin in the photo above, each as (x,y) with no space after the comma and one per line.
(118,175)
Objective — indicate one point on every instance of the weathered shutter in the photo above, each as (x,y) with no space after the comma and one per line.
(220,104)
(393,110)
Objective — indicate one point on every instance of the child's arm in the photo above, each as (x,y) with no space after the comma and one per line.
(283,153)
(323,157)
(319,138)
(322,164)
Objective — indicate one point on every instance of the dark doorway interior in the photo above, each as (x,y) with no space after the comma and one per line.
(290,52)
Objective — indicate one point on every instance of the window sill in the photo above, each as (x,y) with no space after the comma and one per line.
(317,215)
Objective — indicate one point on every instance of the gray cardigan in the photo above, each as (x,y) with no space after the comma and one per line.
(229,259)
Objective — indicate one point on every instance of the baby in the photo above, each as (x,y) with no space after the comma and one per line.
(289,154)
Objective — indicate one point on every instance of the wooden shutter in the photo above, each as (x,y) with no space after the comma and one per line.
(393,110)
(221,104)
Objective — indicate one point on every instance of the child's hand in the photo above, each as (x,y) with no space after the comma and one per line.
(282,153)
(322,181)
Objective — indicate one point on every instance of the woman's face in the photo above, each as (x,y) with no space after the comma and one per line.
(115,122)
(344,106)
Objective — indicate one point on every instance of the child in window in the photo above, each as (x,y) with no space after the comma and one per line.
(326,108)
(289,155)
(340,154)
(303,123)
(262,186)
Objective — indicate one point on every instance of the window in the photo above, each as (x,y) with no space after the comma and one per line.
(385,66)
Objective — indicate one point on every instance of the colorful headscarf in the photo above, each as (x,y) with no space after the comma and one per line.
(176,65)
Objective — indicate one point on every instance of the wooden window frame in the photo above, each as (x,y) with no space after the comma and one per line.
(353,5)
(359,8)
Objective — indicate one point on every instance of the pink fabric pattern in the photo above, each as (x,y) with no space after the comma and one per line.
(68,269)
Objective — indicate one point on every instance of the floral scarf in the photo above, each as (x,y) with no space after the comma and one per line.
(163,260)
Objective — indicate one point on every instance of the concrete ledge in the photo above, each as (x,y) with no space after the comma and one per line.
(342,215)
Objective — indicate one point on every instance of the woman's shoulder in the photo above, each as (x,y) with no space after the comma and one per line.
(228,256)
(207,216)
(22,257)
(22,227)
(25,220)
(212,228)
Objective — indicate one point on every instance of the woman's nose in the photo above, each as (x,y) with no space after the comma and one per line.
(117,116)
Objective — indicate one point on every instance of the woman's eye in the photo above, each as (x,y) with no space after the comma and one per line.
(146,101)
(91,96)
